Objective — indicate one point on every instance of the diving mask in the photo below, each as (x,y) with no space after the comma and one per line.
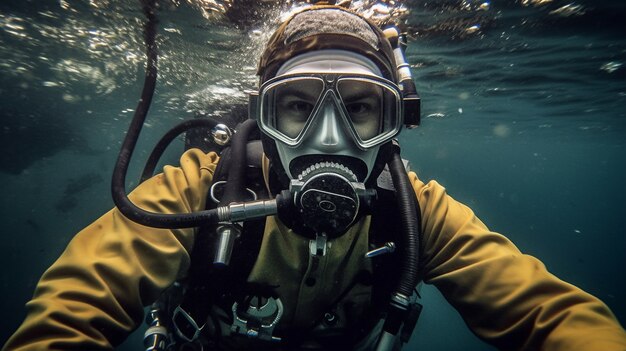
(366,107)
(329,103)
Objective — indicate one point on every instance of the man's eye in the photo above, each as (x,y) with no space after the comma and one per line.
(300,107)
(358,108)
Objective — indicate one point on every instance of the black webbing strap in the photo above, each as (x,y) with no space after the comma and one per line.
(208,284)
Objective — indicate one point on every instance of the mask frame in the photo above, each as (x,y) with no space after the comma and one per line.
(390,119)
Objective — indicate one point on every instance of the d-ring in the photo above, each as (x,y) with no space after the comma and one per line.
(222,182)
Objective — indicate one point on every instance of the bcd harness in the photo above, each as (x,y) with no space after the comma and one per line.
(216,307)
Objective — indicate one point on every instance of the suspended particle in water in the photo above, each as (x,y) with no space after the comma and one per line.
(611,67)
(535,2)
(172,30)
(436,115)
(501,131)
(64,5)
(71,98)
(568,10)
(473,29)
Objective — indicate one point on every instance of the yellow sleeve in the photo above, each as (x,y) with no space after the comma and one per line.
(92,297)
(507,298)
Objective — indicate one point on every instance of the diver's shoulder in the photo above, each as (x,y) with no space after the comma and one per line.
(199,158)
(421,186)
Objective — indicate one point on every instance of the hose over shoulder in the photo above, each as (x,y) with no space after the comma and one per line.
(409,248)
(411,224)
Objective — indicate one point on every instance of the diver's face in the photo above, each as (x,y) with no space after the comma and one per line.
(296,103)
(329,104)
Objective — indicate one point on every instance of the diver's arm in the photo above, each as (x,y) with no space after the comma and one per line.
(92,297)
(507,298)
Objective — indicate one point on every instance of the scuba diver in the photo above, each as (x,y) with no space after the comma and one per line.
(303,229)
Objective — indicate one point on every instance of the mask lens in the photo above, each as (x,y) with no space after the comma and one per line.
(370,106)
(288,105)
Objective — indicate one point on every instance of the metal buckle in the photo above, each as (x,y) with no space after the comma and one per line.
(257,326)
(180,312)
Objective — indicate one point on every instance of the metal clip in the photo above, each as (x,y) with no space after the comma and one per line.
(223,183)
(221,134)
(388,248)
(226,234)
(317,246)
(156,336)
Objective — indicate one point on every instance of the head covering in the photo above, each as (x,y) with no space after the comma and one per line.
(327,27)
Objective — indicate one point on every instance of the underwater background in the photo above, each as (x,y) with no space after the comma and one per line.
(523,119)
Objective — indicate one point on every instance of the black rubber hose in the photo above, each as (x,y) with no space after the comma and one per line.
(235,190)
(165,141)
(411,224)
(118,187)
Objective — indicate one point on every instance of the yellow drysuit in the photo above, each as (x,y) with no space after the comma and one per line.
(92,297)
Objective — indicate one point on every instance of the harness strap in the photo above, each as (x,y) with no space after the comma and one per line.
(206,283)
(209,286)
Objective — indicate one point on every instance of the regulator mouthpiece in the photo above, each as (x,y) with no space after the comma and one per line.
(329,198)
